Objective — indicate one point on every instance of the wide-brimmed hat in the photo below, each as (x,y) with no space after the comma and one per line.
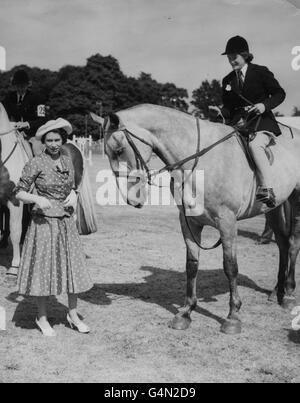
(20,77)
(53,125)
(236,44)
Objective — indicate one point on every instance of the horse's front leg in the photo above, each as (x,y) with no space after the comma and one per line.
(183,319)
(228,230)
(16,214)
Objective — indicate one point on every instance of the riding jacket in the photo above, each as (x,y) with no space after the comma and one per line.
(25,109)
(259,86)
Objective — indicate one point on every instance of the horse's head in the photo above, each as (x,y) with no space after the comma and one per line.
(129,149)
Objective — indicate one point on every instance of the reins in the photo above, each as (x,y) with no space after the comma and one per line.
(171,167)
(2,163)
(141,163)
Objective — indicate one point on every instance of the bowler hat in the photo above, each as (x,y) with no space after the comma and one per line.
(20,77)
(237,44)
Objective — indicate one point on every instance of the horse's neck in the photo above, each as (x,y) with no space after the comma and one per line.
(7,143)
(174,135)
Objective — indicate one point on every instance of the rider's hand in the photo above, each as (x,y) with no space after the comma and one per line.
(71,200)
(259,109)
(43,203)
(22,125)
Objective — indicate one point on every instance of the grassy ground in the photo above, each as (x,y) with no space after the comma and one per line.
(137,264)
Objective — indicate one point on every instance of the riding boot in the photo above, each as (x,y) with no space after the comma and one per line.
(265,193)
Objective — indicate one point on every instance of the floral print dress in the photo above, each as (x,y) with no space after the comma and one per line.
(53,261)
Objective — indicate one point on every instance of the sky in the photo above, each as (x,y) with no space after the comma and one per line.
(178,41)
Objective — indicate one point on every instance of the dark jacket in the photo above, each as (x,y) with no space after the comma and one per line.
(259,86)
(30,110)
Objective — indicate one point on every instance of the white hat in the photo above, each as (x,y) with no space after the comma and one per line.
(59,123)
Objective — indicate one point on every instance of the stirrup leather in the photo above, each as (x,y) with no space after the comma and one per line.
(267,196)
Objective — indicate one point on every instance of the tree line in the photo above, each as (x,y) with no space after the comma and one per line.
(101,86)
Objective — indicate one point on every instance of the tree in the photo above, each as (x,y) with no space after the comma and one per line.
(278,114)
(209,93)
(74,91)
(296,111)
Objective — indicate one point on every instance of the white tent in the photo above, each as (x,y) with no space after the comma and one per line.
(292,121)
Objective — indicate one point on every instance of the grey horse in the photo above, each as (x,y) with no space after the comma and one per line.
(229,190)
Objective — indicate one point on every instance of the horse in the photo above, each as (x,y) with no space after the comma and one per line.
(230,184)
(15,152)
(14,155)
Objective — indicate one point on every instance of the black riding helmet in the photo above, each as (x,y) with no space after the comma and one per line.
(236,44)
(20,77)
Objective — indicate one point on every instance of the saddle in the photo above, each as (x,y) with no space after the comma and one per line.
(244,138)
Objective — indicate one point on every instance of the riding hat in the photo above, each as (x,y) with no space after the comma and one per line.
(20,77)
(236,44)
(53,125)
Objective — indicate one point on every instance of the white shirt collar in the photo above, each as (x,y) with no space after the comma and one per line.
(244,70)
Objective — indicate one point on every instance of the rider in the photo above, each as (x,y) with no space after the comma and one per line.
(250,92)
(25,108)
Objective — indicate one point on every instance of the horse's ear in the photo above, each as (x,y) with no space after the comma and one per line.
(97,119)
(114,121)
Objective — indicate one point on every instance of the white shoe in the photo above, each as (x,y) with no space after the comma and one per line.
(81,327)
(47,331)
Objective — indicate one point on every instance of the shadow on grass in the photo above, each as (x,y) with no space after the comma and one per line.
(251,235)
(294,336)
(166,288)
(26,311)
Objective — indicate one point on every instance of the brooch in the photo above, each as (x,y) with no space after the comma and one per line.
(228,87)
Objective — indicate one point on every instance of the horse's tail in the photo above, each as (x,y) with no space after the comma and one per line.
(86,215)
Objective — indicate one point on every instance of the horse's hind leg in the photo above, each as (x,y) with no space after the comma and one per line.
(228,231)
(289,299)
(183,319)
(16,214)
(286,226)
(276,221)
(4,213)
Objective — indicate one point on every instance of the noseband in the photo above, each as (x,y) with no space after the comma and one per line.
(140,162)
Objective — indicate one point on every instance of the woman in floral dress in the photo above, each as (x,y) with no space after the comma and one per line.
(53,261)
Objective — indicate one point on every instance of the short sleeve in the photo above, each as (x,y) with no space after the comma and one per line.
(29,175)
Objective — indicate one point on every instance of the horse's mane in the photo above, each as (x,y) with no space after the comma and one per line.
(157,108)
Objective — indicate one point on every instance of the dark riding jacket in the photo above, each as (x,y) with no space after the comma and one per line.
(30,110)
(260,86)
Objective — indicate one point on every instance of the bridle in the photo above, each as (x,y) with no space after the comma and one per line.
(2,163)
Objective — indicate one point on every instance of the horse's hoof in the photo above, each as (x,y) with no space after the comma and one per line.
(180,323)
(288,303)
(231,326)
(273,297)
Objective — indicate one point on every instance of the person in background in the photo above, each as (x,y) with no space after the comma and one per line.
(267,234)
(25,109)
(53,261)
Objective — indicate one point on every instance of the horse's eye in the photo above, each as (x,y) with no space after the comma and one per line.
(119,152)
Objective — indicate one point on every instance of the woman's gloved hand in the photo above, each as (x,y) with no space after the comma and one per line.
(71,200)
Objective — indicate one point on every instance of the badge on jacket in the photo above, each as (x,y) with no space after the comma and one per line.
(41,111)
